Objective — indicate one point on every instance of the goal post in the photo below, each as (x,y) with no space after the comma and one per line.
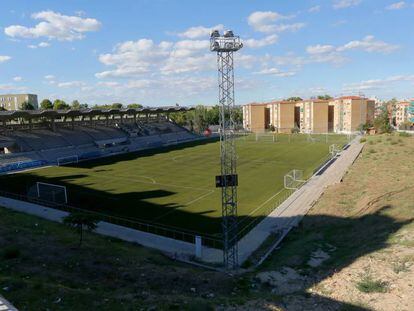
(67,160)
(51,192)
(293,180)
(268,137)
(334,149)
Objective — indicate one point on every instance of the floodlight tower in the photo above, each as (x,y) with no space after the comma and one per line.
(225,46)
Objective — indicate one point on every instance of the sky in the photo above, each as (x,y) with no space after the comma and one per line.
(156,52)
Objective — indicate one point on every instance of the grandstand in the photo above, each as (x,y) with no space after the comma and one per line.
(36,138)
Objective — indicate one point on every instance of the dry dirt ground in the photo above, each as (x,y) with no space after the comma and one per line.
(353,251)
(361,233)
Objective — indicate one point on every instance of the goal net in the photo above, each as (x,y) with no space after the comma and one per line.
(51,193)
(334,149)
(266,137)
(67,160)
(293,179)
(312,138)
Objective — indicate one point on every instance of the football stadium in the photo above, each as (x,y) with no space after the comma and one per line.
(139,169)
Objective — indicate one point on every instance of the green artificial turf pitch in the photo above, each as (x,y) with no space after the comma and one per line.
(175,186)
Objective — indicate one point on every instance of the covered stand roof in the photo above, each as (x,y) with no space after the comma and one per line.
(30,114)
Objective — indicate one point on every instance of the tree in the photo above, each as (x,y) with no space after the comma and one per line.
(75,104)
(46,104)
(179,117)
(199,116)
(325,97)
(60,105)
(294,99)
(136,106)
(382,122)
(238,115)
(80,221)
(27,106)
(116,105)
(213,116)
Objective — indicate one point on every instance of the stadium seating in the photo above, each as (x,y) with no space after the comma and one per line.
(44,146)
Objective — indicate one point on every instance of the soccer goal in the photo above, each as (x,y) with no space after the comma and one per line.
(310,138)
(67,160)
(293,180)
(51,192)
(266,137)
(334,149)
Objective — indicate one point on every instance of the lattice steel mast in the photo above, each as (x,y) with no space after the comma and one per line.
(225,46)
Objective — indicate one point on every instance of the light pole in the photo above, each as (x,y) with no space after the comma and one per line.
(225,45)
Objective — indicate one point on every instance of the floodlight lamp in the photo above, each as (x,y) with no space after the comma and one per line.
(228,34)
(215,34)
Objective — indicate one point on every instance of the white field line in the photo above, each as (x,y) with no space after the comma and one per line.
(265,202)
(152,182)
(199,198)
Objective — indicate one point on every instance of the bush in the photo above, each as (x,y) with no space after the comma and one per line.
(11,252)
(362,140)
(369,285)
(404,134)
(295,130)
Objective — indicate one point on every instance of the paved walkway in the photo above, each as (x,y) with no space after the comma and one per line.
(5,305)
(290,212)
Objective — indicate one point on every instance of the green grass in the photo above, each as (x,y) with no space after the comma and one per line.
(368,285)
(175,186)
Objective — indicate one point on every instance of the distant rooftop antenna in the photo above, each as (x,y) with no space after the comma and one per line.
(225,45)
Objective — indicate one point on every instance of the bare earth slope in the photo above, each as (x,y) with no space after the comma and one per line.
(356,245)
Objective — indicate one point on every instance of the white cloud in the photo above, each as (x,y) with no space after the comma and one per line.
(44,44)
(12,88)
(333,54)
(258,43)
(370,44)
(134,58)
(267,22)
(375,84)
(314,9)
(49,77)
(108,83)
(397,6)
(54,25)
(4,58)
(17,79)
(289,27)
(276,72)
(71,84)
(40,45)
(199,31)
(343,4)
(320,49)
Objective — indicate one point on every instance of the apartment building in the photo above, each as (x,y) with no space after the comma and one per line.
(404,112)
(15,101)
(314,116)
(259,117)
(352,111)
(341,115)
